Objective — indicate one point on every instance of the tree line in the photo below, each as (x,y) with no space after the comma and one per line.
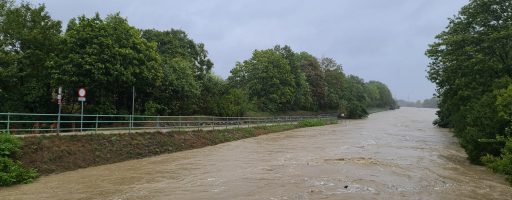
(171,73)
(471,64)
(426,103)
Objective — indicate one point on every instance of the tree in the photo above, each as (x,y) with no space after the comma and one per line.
(175,43)
(108,57)
(268,80)
(29,40)
(302,99)
(214,89)
(315,78)
(430,103)
(186,68)
(179,92)
(379,95)
(354,98)
(234,103)
(470,63)
(334,80)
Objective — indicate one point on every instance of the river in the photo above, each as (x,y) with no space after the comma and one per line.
(390,155)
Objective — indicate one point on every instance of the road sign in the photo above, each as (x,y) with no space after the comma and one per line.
(81,98)
(81,94)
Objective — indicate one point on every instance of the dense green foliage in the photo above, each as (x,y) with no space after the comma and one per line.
(186,73)
(472,67)
(268,79)
(29,41)
(12,172)
(171,73)
(503,163)
(9,145)
(275,84)
(108,57)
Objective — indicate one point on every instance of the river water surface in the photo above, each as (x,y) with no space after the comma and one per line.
(390,155)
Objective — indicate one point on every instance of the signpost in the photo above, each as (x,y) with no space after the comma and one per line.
(59,101)
(81,98)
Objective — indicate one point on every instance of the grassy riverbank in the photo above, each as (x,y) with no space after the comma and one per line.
(55,154)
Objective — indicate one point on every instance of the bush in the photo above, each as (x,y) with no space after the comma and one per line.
(353,110)
(12,172)
(9,145)
(502,163)
(356,111)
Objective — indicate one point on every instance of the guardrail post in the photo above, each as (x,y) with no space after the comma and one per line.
(58,119)
(179,123)
(8,122)
(158,121)
(130,124)
(213,123)
(96,127)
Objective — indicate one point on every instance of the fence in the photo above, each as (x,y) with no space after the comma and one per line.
(26,123)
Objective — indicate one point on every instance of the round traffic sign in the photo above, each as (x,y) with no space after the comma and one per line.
(82,92)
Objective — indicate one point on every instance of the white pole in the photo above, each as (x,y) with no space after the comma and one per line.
(82,117)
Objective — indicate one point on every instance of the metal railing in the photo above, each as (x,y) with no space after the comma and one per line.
(27,123)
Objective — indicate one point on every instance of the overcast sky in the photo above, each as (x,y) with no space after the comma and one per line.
(381,40)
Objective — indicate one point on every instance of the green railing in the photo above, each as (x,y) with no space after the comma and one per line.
(27,123)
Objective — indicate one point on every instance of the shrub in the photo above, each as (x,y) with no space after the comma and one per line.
(12,172)
(9,145)
(502,163)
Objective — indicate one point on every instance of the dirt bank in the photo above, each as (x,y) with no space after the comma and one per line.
(55,154)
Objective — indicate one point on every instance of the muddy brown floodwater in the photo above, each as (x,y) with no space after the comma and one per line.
(390,155)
